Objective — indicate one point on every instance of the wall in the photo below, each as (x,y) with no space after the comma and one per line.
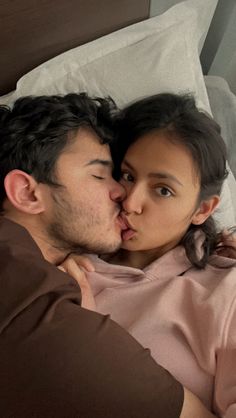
(223,62)
(160,6)
(218,55)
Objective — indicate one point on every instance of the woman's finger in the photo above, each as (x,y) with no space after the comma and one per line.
(227,251)
(72,268)
(83,261)
(61,268)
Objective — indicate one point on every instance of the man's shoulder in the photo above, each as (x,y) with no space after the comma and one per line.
(28,281)
(14,239)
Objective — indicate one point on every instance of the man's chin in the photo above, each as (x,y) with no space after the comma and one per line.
(109,249)
(102,248)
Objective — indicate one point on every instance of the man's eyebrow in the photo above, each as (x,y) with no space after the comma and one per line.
(98,161)
(159,175)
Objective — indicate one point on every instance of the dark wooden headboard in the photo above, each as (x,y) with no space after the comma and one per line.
(33,31)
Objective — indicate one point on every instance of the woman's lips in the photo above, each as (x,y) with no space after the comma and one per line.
(127,234)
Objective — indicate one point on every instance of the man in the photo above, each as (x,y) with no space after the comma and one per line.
(57,197)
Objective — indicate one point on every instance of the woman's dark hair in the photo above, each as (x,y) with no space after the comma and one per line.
(35,131)
(198,132)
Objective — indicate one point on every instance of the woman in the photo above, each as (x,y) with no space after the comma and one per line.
(166,285)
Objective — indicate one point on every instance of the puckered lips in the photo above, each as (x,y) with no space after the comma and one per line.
(127,230)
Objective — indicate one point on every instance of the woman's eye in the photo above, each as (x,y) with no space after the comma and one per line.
(126,176)
(163,191)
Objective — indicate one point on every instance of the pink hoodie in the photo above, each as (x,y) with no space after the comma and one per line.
(187,317)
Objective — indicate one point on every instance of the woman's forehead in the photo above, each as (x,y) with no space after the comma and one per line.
(156,151)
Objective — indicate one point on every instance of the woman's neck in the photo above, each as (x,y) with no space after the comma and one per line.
(136,259)
(139,259)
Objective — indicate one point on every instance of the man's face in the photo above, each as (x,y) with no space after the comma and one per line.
(82,215)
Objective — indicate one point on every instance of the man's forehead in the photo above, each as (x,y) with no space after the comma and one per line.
(87,149)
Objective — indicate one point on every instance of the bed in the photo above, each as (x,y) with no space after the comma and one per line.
(114,48)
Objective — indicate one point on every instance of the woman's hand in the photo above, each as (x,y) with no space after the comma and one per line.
(193,407)
(227,243)
(76,266)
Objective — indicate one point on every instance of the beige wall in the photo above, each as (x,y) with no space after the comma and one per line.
(160,6)
(218,55)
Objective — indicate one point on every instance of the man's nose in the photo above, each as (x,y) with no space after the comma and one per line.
(118,192)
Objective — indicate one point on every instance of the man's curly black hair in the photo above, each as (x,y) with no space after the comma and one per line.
(37,129)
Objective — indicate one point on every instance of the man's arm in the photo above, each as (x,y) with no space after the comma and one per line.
(74,363)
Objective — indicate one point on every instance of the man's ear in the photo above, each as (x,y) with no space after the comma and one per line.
(206,208)
(23,192)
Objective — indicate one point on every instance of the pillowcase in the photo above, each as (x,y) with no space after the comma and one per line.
(160,54)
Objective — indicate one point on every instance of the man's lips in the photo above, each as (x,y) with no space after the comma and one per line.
(128,232)
(122,223)
(126,222)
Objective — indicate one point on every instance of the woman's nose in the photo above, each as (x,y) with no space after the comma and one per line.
(133,201)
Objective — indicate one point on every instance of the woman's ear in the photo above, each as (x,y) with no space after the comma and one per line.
(23,192)
(206,208)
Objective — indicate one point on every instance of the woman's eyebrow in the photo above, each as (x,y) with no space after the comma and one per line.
(163,175)
(159,175)
(128,164)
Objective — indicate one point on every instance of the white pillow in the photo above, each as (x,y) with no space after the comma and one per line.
(157,55)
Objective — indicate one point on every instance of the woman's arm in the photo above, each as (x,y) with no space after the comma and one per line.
(76,269)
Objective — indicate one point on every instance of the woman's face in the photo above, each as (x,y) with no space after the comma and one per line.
(162,189)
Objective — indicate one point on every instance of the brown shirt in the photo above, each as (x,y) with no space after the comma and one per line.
(60,360)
